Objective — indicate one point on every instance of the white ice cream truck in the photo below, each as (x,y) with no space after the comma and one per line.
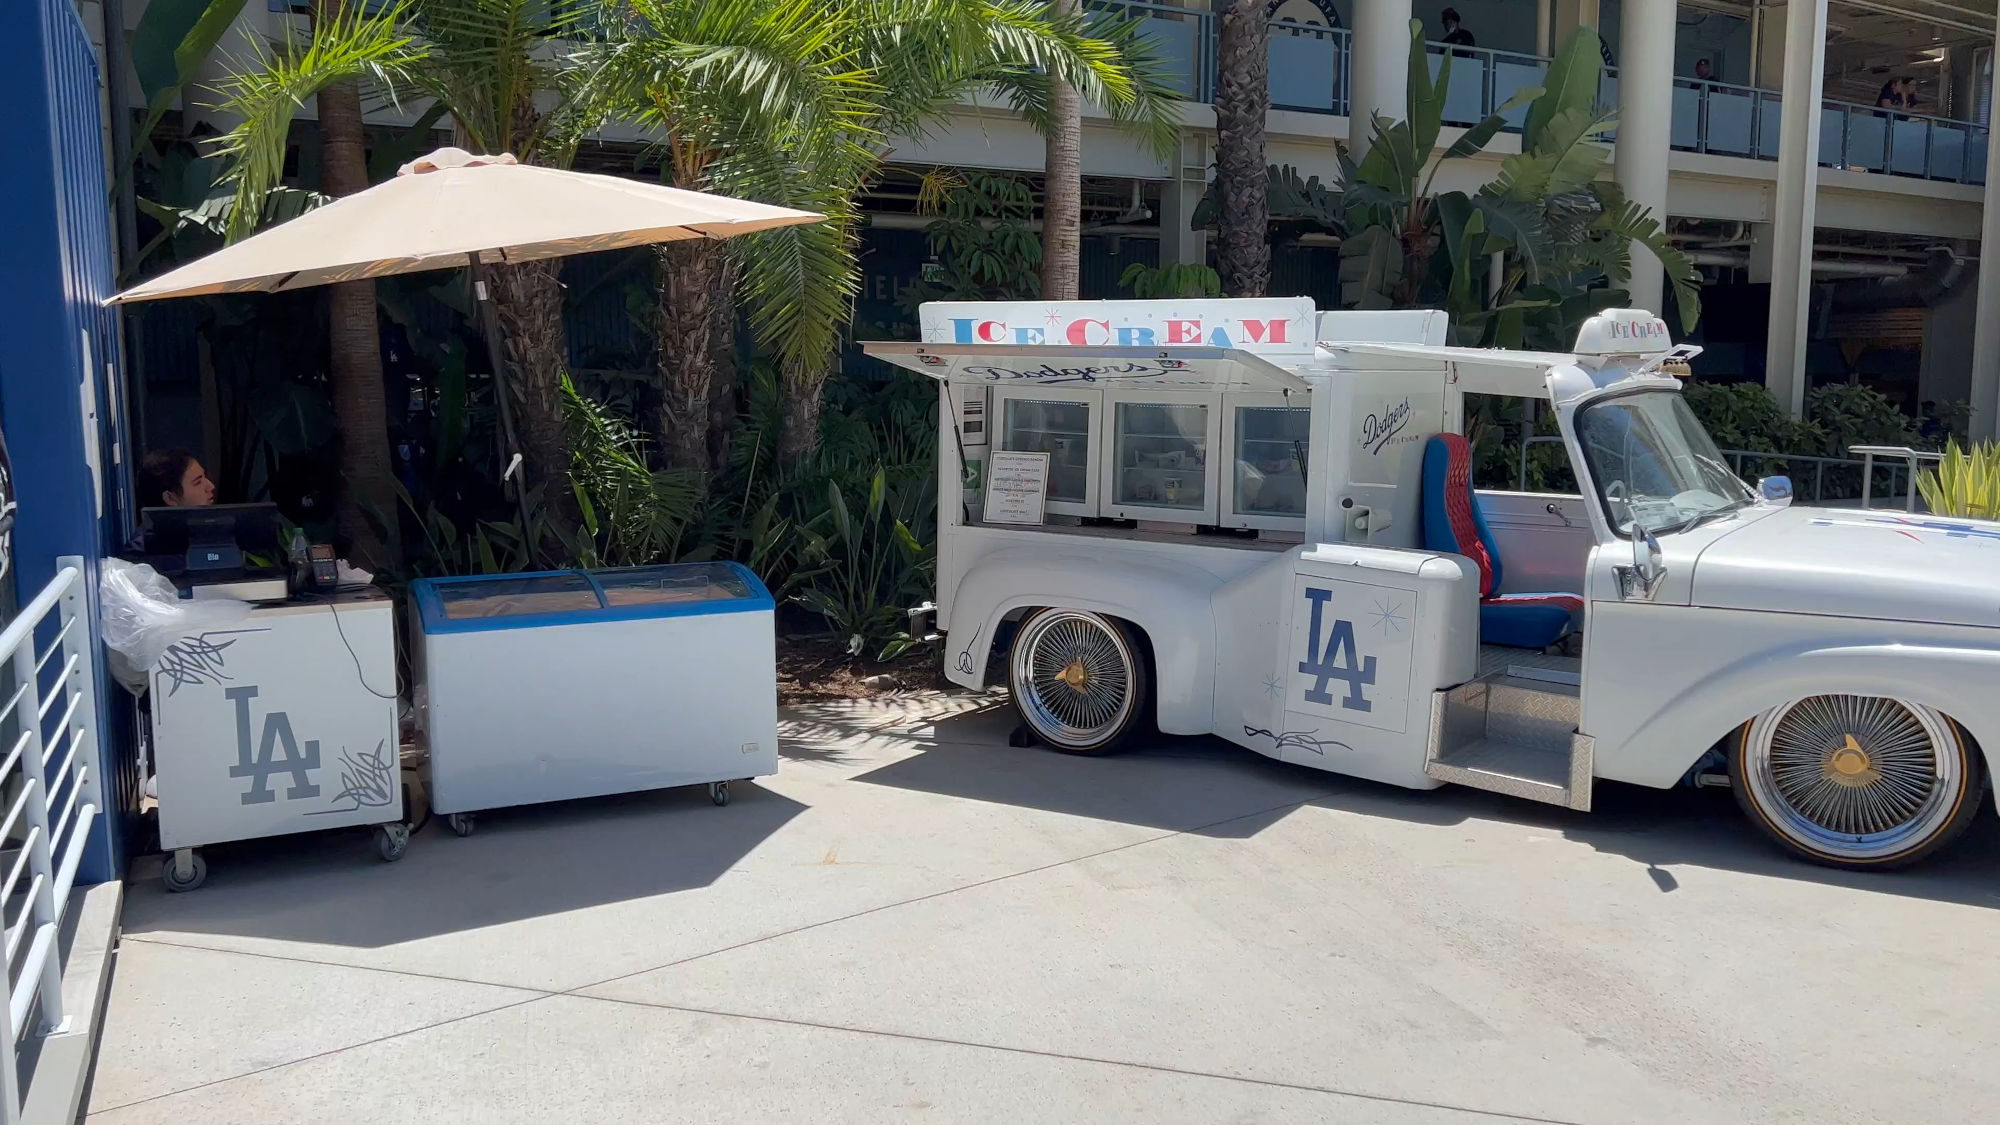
(1245,519)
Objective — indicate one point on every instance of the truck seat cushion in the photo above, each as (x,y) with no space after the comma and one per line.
(1453,522)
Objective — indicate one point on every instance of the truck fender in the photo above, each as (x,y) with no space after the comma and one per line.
(1956,681)
(1171,602)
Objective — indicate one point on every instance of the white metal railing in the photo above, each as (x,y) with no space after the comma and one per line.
(51,795)
(1902,463)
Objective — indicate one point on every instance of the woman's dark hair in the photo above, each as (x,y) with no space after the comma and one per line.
(1449,15)
(162,472)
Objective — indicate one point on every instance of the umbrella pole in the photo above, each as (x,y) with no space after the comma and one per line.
(489,325)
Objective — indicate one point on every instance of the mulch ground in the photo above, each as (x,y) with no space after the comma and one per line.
(812,668)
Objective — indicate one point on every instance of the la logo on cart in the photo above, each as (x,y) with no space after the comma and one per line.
(1337,659)
(258,759)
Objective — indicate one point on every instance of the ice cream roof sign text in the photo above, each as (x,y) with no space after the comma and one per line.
(1266,326)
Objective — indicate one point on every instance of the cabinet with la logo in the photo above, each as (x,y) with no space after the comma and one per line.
(284,722)
(1366,639)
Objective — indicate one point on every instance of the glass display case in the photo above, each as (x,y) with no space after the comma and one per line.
(1160,464)
(1064,425)
(1268,439)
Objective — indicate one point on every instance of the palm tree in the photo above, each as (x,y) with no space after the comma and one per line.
(488,62)
(346,44)
(1242,100)
(732,88)
(1062,186)
(923,55)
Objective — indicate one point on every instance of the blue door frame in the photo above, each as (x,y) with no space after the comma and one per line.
(60,361)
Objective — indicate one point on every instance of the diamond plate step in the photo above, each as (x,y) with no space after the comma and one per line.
(1515,735)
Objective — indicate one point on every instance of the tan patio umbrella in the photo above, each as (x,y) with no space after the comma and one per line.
(441,210)
(452,209)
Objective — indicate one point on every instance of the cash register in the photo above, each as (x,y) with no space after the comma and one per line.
(223,550)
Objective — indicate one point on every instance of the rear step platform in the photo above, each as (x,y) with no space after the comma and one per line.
(1513,731)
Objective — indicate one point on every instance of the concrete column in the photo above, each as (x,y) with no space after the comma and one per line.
(1179,242)
(1645,128)
(1570,15)
(1985,396)
(1379,80)
(1793,205)
(1545,27)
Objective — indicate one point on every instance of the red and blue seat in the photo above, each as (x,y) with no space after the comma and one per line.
(1454,523)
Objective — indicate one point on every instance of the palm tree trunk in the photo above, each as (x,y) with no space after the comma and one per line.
(1062,188)
(1242,99)
(798,434)
(366,514)
(722,372)
(527,300)
(691,302)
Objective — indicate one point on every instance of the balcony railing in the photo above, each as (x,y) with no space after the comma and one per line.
(1310,68)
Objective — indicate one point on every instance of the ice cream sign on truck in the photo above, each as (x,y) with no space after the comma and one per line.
(1259,521)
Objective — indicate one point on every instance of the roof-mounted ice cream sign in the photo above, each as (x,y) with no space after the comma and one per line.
(1265,326)
(1623,332)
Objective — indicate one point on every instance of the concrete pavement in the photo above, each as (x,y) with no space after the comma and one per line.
(913,921)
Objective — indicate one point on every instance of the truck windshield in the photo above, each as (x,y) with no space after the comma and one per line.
(1653,465)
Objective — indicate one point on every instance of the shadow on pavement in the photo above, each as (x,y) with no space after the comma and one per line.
(1213,788)
(519,863)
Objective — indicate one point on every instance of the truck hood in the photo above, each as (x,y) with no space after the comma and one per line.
(1888,566)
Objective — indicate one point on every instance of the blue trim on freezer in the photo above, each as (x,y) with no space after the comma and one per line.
(430,605)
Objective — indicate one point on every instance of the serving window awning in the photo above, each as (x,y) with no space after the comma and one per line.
(1489,371)
(1113,368)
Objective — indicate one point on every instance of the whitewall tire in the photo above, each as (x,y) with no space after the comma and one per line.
(1078,680)
(1857,781)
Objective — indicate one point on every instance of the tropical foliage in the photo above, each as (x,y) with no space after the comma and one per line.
(1561,233)
(1965,483)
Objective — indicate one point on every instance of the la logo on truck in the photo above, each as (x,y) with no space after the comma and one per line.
(1337,659)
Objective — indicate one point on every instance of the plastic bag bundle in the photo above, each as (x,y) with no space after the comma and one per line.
(143,615)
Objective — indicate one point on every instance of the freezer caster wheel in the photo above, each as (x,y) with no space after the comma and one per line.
(460,823)
(196,872)
(718,791)
(391,841)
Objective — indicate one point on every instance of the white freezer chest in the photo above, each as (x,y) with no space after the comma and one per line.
(567,684)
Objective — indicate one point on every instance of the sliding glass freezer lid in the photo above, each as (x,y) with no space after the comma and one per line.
(573,597)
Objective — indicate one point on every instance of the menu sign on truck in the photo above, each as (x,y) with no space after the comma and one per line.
(1017,487)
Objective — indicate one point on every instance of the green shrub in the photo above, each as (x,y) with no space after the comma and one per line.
(1966,483)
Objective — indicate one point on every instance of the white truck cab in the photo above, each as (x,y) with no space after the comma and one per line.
(1258,521)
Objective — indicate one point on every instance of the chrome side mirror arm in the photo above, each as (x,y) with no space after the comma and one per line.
(1641,580)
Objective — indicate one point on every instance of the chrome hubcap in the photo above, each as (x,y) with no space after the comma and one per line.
(1859,777)
(1072,673)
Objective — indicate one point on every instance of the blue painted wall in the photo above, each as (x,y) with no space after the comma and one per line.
(59,358)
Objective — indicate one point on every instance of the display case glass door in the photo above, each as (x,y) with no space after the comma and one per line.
(1162,466)
(1064,425)
(1268,438)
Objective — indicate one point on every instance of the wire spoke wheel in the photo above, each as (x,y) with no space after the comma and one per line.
(1076,679)
(1856,780)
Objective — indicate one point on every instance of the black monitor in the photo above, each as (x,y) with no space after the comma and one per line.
(218,543)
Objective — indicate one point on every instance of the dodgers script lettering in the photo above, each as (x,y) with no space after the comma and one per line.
(1378,430)
(1050,374)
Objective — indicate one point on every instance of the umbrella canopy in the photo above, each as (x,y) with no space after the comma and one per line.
(441,210)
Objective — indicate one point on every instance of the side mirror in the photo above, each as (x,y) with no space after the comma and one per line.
(1775,490)
(1642,579)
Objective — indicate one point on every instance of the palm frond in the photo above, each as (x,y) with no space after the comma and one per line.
(265,90)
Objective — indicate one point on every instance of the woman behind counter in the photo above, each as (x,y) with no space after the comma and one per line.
(172,478)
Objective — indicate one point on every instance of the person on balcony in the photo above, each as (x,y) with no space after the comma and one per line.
(1703,72)
(1898,93)
(1454,32)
